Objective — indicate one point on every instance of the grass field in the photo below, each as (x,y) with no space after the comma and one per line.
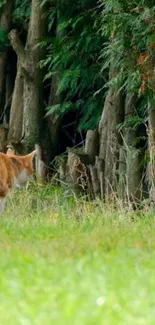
(65,261)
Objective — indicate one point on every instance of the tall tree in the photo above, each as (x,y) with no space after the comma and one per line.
(29,58)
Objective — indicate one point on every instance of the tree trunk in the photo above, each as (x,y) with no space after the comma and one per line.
(110,140)
(133,177)
(16,111)
(3,138)
(151,165)
(40,167)
(102,149)
(92,144)
(122,173)
(130,111)
(53,122)
(77,171)
(29,59)
(9,85)
(5,22)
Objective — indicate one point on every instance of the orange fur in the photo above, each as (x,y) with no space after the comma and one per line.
(14,171)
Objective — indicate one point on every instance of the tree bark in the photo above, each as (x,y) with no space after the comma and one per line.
(16,111)
(133,175)
(5,23)
(130,111)
(151,140)
(110,140)
(95,181)
(9,85)
(122,173)
(92,144)
(29,58)
(40,167)
(3,138)
(133,185)
(77,172)
(52,121)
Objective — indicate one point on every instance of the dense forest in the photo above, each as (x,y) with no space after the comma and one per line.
(77,78)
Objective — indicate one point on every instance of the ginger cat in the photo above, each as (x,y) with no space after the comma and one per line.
(15,171)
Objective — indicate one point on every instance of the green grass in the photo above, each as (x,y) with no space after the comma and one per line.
(69,262)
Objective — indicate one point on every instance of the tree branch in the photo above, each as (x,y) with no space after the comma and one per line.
(17,45)
(21,53)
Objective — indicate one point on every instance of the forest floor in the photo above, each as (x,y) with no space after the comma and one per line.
(65,261)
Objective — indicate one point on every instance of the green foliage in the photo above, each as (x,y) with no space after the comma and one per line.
(130,29)
(3,31)
(2,3)
(59,109)
(73,55)
(21,16)
(3,39)
(133,122)
(22,13)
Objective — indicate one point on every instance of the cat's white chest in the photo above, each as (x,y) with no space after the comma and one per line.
(22,178)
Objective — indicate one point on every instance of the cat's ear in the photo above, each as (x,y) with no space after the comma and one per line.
(34,152)
(10,152)
(31,155)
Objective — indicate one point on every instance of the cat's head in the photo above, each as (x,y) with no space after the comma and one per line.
(24,165)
